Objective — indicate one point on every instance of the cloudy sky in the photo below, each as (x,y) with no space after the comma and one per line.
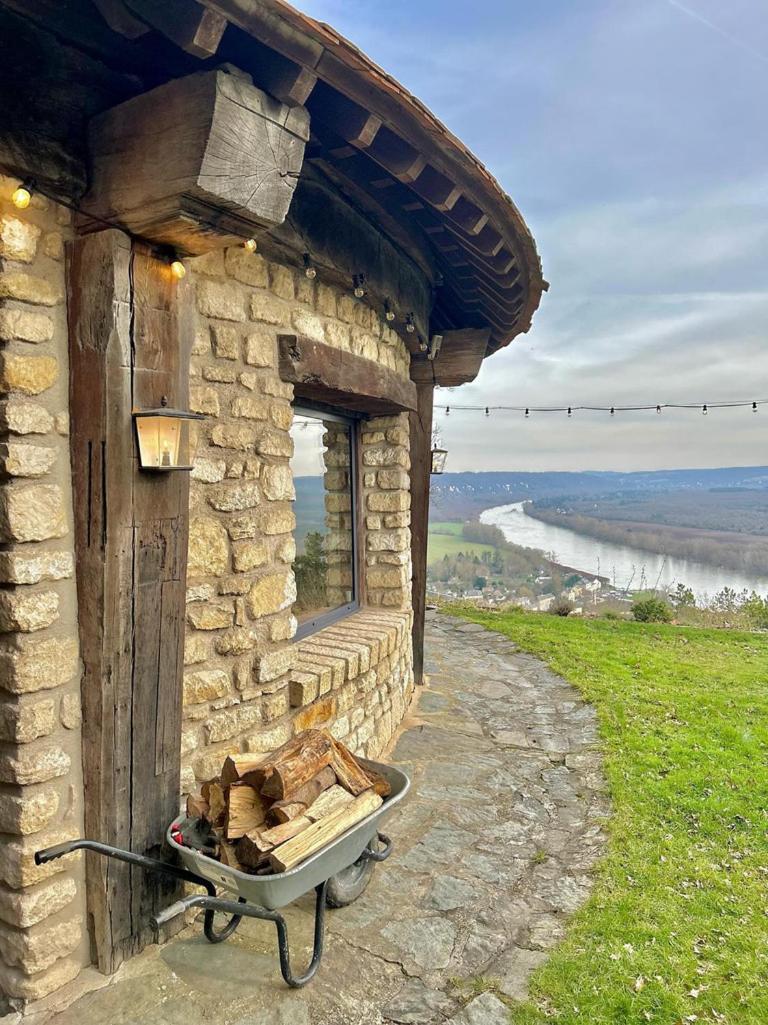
(632,135)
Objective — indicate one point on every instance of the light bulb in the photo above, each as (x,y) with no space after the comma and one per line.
(410,325)
(447,410)
(423,347)
(178,269)
(612,410)
(754,407)
(251,245)
(389,313)
(658,409)
(704,409)
(309,270)
(487,411)
(21,197)
(570,411)
(527,412)
(359,285)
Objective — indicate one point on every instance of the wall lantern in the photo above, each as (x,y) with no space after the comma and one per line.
(164,438)
(439,456)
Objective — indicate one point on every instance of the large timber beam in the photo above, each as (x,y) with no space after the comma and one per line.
(421,464)
(458,361)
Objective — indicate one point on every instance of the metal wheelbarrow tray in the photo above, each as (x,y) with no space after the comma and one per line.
(338,873)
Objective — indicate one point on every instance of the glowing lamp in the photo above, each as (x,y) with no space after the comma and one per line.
(178,269)
(165,439)
(21,196)
(251,245)
(439,456)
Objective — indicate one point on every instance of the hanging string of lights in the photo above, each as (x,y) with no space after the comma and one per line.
(704,408)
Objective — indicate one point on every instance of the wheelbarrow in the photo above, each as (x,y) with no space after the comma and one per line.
(338,873)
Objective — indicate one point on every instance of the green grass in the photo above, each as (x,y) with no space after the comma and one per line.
(676,930)
(445,539)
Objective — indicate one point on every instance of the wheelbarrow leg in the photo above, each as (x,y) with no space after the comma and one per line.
(230,907)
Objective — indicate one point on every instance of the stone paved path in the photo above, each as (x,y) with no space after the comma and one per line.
(494,850)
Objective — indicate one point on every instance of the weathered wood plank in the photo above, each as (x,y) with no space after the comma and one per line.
(421,446)
(458,362)
(321,833)
(194,28)
(327,374)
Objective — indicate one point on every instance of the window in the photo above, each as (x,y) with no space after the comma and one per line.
(323,467)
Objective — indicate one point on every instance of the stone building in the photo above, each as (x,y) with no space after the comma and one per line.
(343,255)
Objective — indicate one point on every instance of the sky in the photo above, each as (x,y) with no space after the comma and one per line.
(632,136)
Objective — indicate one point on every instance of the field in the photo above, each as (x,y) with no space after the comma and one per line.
(676,930)
(445,539)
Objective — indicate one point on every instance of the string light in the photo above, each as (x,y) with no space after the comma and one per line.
(309,270)
(447,410)
(423,347)
(250,245)
(527,412)
(177,267)
(358,283)
(410,324)
(613,410)
(389,313)
(570,411)
(487,411)
(704,409)
(22,195)
(658,409)
(754,407)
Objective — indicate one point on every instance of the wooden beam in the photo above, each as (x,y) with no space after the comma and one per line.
(421,462)
(130,338)
(458,362)
(326,374)
(195,29)
(119,18)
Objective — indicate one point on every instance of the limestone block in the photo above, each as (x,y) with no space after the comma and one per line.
(237,436)
(18,239)
(15,983)
(211,263)
(303,688)
(37,949)
(208,548)
(326,301)
(277,483)
(282,628)
(397,520)
(212,616)
(320,713)
(25,325)
(204,400)
(22,723)
(28,813)
(53,245)
(272,664)
(270,594)
(29,375)
(234,497)
(269,739)
(260,349)
(32,513)
(250,268)
(372,437)
(281,415)
(250,407)
(29,288)
(275,443)
(248,555)
(338,335)
(385,576)
(281,280)
(392,455)
(70,711)
(17,858)
(393,480)
(200,592)
(226,341)
(219,374)
(30,664)
(209,471)
(277,519)
(209,763)
(388,540)
(232,722)
(25,610)
(18,460)
(308,324)
(20,417)
(190,741)
(33,905)
(34,764)
(267,309)
(196,649)
(205,686)
(236,641)
(201,346)
(222,300)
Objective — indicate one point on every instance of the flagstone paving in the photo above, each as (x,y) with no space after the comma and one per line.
(494,848)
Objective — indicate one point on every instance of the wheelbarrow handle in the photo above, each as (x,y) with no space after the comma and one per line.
(381,855)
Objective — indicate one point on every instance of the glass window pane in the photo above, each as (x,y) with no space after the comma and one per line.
(322,469)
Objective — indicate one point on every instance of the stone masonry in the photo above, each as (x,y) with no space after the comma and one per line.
(42,943)
(247,685)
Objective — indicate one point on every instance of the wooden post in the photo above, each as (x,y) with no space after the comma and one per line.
(129,346)
(421,464)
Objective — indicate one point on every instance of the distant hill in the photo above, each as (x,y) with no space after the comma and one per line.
(464,495)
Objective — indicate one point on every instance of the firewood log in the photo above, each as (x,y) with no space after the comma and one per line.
(253,847)
(216,796)
(228,856)
(329,802)
(292,770)
(301,799)
(197,807)
(345,765)
(380,784)
(247,810)
(321,833)
(236,766)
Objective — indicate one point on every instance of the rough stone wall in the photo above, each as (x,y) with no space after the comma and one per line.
(41,799)
(240,655)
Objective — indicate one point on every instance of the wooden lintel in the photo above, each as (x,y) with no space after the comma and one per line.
(192,27)
(458,362)
(328,375)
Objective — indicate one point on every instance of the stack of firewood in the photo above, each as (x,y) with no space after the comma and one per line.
(268,813)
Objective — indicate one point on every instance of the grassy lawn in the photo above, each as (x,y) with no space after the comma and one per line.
(445,539)
(676,931)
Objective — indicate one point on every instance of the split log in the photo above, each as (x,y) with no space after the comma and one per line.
(329,802)
(253,848)
(321,833)
(237,766)
(197,807)
(247,810)
(228,856)
(291,771)
(379,782)
(297,804)
(346,767)
(216,796)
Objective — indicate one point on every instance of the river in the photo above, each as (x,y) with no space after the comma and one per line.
(624,566)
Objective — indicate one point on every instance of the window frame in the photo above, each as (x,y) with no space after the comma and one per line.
(352,420)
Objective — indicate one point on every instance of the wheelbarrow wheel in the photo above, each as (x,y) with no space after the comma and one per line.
(346,886)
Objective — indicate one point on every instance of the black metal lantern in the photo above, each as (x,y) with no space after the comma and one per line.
(164,438)
(439,456)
